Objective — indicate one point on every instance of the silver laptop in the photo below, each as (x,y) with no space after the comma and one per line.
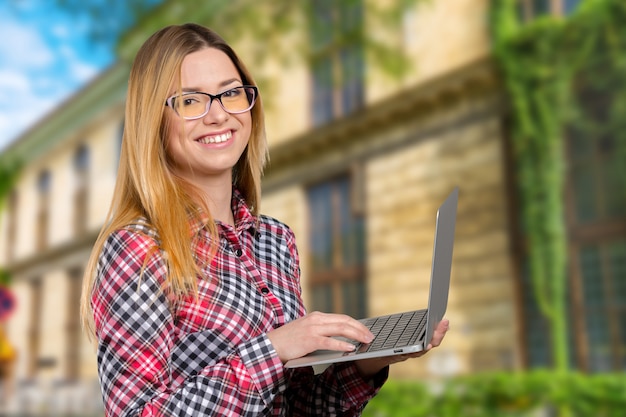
(408,332)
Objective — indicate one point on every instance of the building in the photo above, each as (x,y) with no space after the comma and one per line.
(357,169)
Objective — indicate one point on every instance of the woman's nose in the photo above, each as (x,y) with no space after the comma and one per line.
(216,113)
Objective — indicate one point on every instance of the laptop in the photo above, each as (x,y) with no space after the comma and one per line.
(408,332)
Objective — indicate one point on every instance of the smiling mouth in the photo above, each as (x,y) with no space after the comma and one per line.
(216,139)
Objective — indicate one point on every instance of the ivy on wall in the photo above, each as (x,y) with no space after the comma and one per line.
(545,63)
(9,170)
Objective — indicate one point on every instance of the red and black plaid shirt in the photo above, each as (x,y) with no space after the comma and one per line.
(210,356)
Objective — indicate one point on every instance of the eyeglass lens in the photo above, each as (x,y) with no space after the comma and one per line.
(235,100)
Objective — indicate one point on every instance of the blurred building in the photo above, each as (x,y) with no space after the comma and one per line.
(359,163)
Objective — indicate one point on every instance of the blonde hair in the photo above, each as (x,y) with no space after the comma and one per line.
(146,185)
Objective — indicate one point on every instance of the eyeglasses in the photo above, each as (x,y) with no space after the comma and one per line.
(194,105)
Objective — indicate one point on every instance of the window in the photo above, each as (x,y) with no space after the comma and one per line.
(43,188)
(602,271)
(73,329)
(530,9)
(596,228)
(337,64)
(81,173)
(569,6)
(12,223)
(337,242)
(34,332)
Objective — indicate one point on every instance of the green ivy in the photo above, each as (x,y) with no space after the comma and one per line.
(9,171)
(504,395)
(544,63)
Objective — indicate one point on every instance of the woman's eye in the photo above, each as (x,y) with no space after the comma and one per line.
(189,101)
(232,93)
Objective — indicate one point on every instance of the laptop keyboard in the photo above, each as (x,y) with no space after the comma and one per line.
(395,330)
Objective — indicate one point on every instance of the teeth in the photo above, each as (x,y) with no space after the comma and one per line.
(216,139)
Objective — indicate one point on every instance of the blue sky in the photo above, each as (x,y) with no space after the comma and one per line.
(45,57)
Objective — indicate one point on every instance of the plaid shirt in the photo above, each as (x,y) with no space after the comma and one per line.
(210,355)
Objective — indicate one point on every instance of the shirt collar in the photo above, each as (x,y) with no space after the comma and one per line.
(244,219)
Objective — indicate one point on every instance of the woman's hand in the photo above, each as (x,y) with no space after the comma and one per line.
(370,367)
(313,332)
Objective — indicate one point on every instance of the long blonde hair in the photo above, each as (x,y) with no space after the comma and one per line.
(146,186)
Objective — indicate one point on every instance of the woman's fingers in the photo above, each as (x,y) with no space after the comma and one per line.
(317,331)
(440,331)
(320,331)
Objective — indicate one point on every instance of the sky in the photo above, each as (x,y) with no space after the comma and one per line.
(45,57)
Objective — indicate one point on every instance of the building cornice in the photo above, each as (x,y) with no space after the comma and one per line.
(352,139)
(70,254)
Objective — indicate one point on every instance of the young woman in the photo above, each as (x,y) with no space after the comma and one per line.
(192,296)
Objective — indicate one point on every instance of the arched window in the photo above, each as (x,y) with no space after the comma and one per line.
(337,65)
(81,173)
(73,328)
(337,246)
(81,159)
(12,223)
(531,9)
(44,183)
(34,327)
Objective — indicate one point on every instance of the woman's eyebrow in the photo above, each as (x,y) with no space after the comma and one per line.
(221,84)
(230,81)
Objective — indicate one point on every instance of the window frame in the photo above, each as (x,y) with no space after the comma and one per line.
(337,79)
(346,278)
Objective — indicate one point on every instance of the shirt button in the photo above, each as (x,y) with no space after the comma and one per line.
(238,252)
(265,290)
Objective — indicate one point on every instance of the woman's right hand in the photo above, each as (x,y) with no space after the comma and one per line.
(314,331)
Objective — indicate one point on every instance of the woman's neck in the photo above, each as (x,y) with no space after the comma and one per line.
(219,199)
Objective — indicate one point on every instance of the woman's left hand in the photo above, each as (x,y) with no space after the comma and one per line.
(370,367)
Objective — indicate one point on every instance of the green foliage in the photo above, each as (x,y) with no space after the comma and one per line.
(9,170)
(283,31)
(544,64)
(5,278)
(266,24)
(504,395)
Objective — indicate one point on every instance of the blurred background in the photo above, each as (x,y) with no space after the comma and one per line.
(375,111)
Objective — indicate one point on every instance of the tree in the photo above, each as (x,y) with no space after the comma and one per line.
(125,24)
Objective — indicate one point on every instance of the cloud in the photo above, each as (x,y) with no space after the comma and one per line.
(12,83)
(44,57)
(22,104)
(22,46)
(34,77)
(84,72)
(23,53)
(61,31)
(26,111)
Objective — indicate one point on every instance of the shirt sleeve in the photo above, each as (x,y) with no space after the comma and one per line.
(137,340)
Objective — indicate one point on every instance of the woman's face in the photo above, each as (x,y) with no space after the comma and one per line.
(208,147)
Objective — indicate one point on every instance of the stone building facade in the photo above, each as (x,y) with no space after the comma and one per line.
(359,186)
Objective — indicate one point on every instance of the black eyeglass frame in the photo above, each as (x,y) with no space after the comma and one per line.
(252,100)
